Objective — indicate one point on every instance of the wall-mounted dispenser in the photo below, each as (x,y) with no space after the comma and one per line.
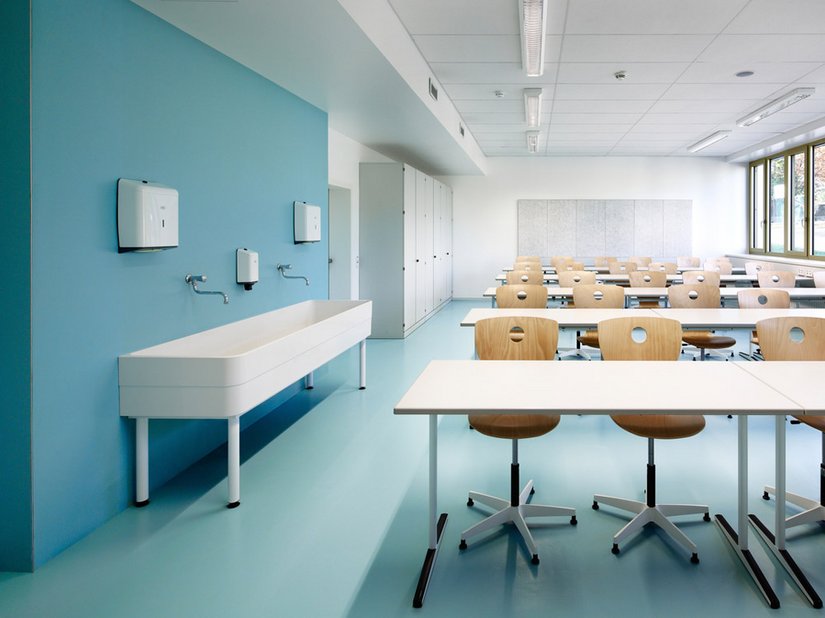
(147,216)
(246,268)
(307,222)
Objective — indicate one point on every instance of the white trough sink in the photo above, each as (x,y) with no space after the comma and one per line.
(228,370)
(224,372)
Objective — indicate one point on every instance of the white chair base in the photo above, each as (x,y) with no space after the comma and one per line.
(653,515)
(813,512)
(517,515)
(705,353)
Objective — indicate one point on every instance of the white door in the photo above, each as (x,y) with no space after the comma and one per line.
(340,244)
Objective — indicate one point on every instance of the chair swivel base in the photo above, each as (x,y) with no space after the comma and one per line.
(653,515)
(507,513)
(814,511)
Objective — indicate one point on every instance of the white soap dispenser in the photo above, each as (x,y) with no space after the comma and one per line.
(246,268)
(147,216)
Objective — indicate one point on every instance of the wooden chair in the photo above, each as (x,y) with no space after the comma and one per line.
(533,277)
(603,260)
(752,268)
(759,298)
(661,341)
(515,338)
(701,276)
(618,268)
(569,265)
(528,258)
(640,261)
(648,279)
(688,262)
(558,260)
(776,279)
(667,267)
(699,296)
(722,266)
(521,296)
(819,278)
(799,339)
(527,266)
(572,278)
(593,296)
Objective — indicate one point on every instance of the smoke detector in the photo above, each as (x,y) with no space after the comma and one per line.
(620,75)
(498,93)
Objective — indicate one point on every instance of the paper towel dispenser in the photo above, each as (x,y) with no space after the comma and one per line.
(147,216)
(307,222)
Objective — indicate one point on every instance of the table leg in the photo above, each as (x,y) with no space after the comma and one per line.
(435,526)
(234,461)
(362,349)
(739,541)
(141,461)
(309,381)
(776,542)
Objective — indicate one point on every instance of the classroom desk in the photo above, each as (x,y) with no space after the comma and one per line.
(671,278)
(551,387)
(567,318)
(548,268)
(731,317)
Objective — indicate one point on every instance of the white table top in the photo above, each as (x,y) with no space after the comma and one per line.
(800,381)
(731,317)
(795,293)
(566,317)
(609,387)
(622,277)
(549,268)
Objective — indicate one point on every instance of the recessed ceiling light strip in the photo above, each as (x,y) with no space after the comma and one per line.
(533,22)
(532,141)
(794,96)
(710,139)
(532,107)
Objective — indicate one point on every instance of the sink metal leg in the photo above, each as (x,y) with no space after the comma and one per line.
(141,461)
(362,348)
(234,461)
(309,381)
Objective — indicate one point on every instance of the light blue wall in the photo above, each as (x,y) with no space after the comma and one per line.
(119,93)
(15,331)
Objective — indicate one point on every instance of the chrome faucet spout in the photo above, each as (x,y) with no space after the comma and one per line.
(193,280)
(282,268)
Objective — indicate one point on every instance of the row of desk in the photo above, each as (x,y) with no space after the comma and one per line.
(606,269)
(549,387)
(732,279)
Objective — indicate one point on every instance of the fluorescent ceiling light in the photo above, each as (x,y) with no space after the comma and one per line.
(710,139)
(794,96)
(533,22)
(532,107)
(532,141)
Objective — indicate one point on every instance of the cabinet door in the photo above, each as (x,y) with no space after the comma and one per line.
(438,255)
(409,215)
(424,245)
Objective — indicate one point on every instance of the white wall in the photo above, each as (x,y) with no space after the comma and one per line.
(484,207)
(344,156)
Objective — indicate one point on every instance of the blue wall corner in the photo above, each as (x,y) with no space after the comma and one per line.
(117,92)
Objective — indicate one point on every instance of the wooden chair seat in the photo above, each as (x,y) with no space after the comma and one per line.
(589,338)
(707,340)
(513,426)
(817,422)
(660,426)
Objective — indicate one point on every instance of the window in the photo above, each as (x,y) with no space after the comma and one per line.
(787,203)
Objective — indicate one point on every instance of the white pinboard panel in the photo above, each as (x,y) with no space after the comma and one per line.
(590,228)
(619,228)
(532,228)
(677,219)
(647,237)
(561,222)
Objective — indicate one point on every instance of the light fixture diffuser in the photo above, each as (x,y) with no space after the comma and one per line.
(794,96)
(532,141)
(710,139)
(532,107)
(533,22)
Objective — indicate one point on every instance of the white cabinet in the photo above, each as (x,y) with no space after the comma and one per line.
(403,246)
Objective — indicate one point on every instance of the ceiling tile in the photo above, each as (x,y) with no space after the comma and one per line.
(458,16)
(591,128)
(490,105)
(490,73)
(744,48)
(684,118)
(763,72)
(650,16)
(561,118)
(470,48)
(743,92)
(760,16)
(635,48)
(477,118)
(605,72)
(729,106)
(601,106)
(611,91)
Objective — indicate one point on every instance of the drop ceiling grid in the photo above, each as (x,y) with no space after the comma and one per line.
(681,58)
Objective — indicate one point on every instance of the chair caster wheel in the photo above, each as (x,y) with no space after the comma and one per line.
(463,544)
(765,495)
(535,559)
(694,559)
(595,506)
(470,502)
(573,521)
(706,517)
(615,549)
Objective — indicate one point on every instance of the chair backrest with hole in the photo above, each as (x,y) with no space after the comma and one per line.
(776,279)
(648,279)
(516,338)
(694,296)
(640,260)
(819,278)
(667,267)
(603,260)
(535,277)
(701,276)
(598,296)
(558,260)
(752,268)
(527,266)
(572,278)
(570,265)
(617,268)
(723,267)
(688,262)
(528,258)
(792,338)
(758,298)
(521,296)
(640,338)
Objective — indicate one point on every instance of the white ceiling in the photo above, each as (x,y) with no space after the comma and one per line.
(353,59)
(680,56)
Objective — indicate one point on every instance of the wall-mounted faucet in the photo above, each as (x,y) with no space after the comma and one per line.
(282,268)
(193,280)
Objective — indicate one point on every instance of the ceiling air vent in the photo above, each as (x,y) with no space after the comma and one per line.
(433,90)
